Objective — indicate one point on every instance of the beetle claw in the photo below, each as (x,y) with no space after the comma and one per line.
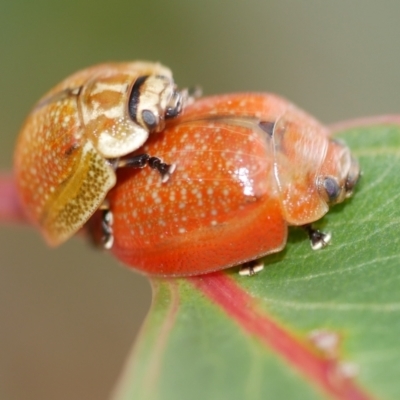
(107,220)
(251,268)
(166,174)
(318,239)
(164,169)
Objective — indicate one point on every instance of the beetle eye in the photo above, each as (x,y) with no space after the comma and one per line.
(331,188)
(149,119)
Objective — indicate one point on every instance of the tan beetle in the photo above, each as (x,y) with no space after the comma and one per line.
(72,141)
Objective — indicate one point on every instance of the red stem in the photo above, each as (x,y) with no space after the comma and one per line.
(10,208)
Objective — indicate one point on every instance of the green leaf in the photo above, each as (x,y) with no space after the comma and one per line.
(311,325)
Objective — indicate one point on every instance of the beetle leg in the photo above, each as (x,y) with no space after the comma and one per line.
(107,220)
(141,160)
(318,239)
(251,268)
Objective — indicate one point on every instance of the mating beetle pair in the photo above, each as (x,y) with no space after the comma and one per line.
(236,170)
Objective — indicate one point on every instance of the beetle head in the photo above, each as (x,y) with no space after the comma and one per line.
(339,174)
(120,107)
(153,99)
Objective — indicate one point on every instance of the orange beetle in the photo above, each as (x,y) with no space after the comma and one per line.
(70,145)
(247,166)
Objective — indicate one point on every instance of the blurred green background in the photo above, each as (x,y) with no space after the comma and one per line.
(68,316)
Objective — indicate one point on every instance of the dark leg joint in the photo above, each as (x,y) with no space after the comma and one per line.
(138,161)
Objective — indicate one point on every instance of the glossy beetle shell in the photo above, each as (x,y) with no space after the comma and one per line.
(61,161)
(247,166)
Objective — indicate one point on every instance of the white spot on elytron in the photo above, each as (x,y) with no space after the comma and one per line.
(184,137)
(214,212)
(214,223)
(172,197)
(243,175)
(182,205)
(210,191)
(182,230)
(225,192)
(189,147)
